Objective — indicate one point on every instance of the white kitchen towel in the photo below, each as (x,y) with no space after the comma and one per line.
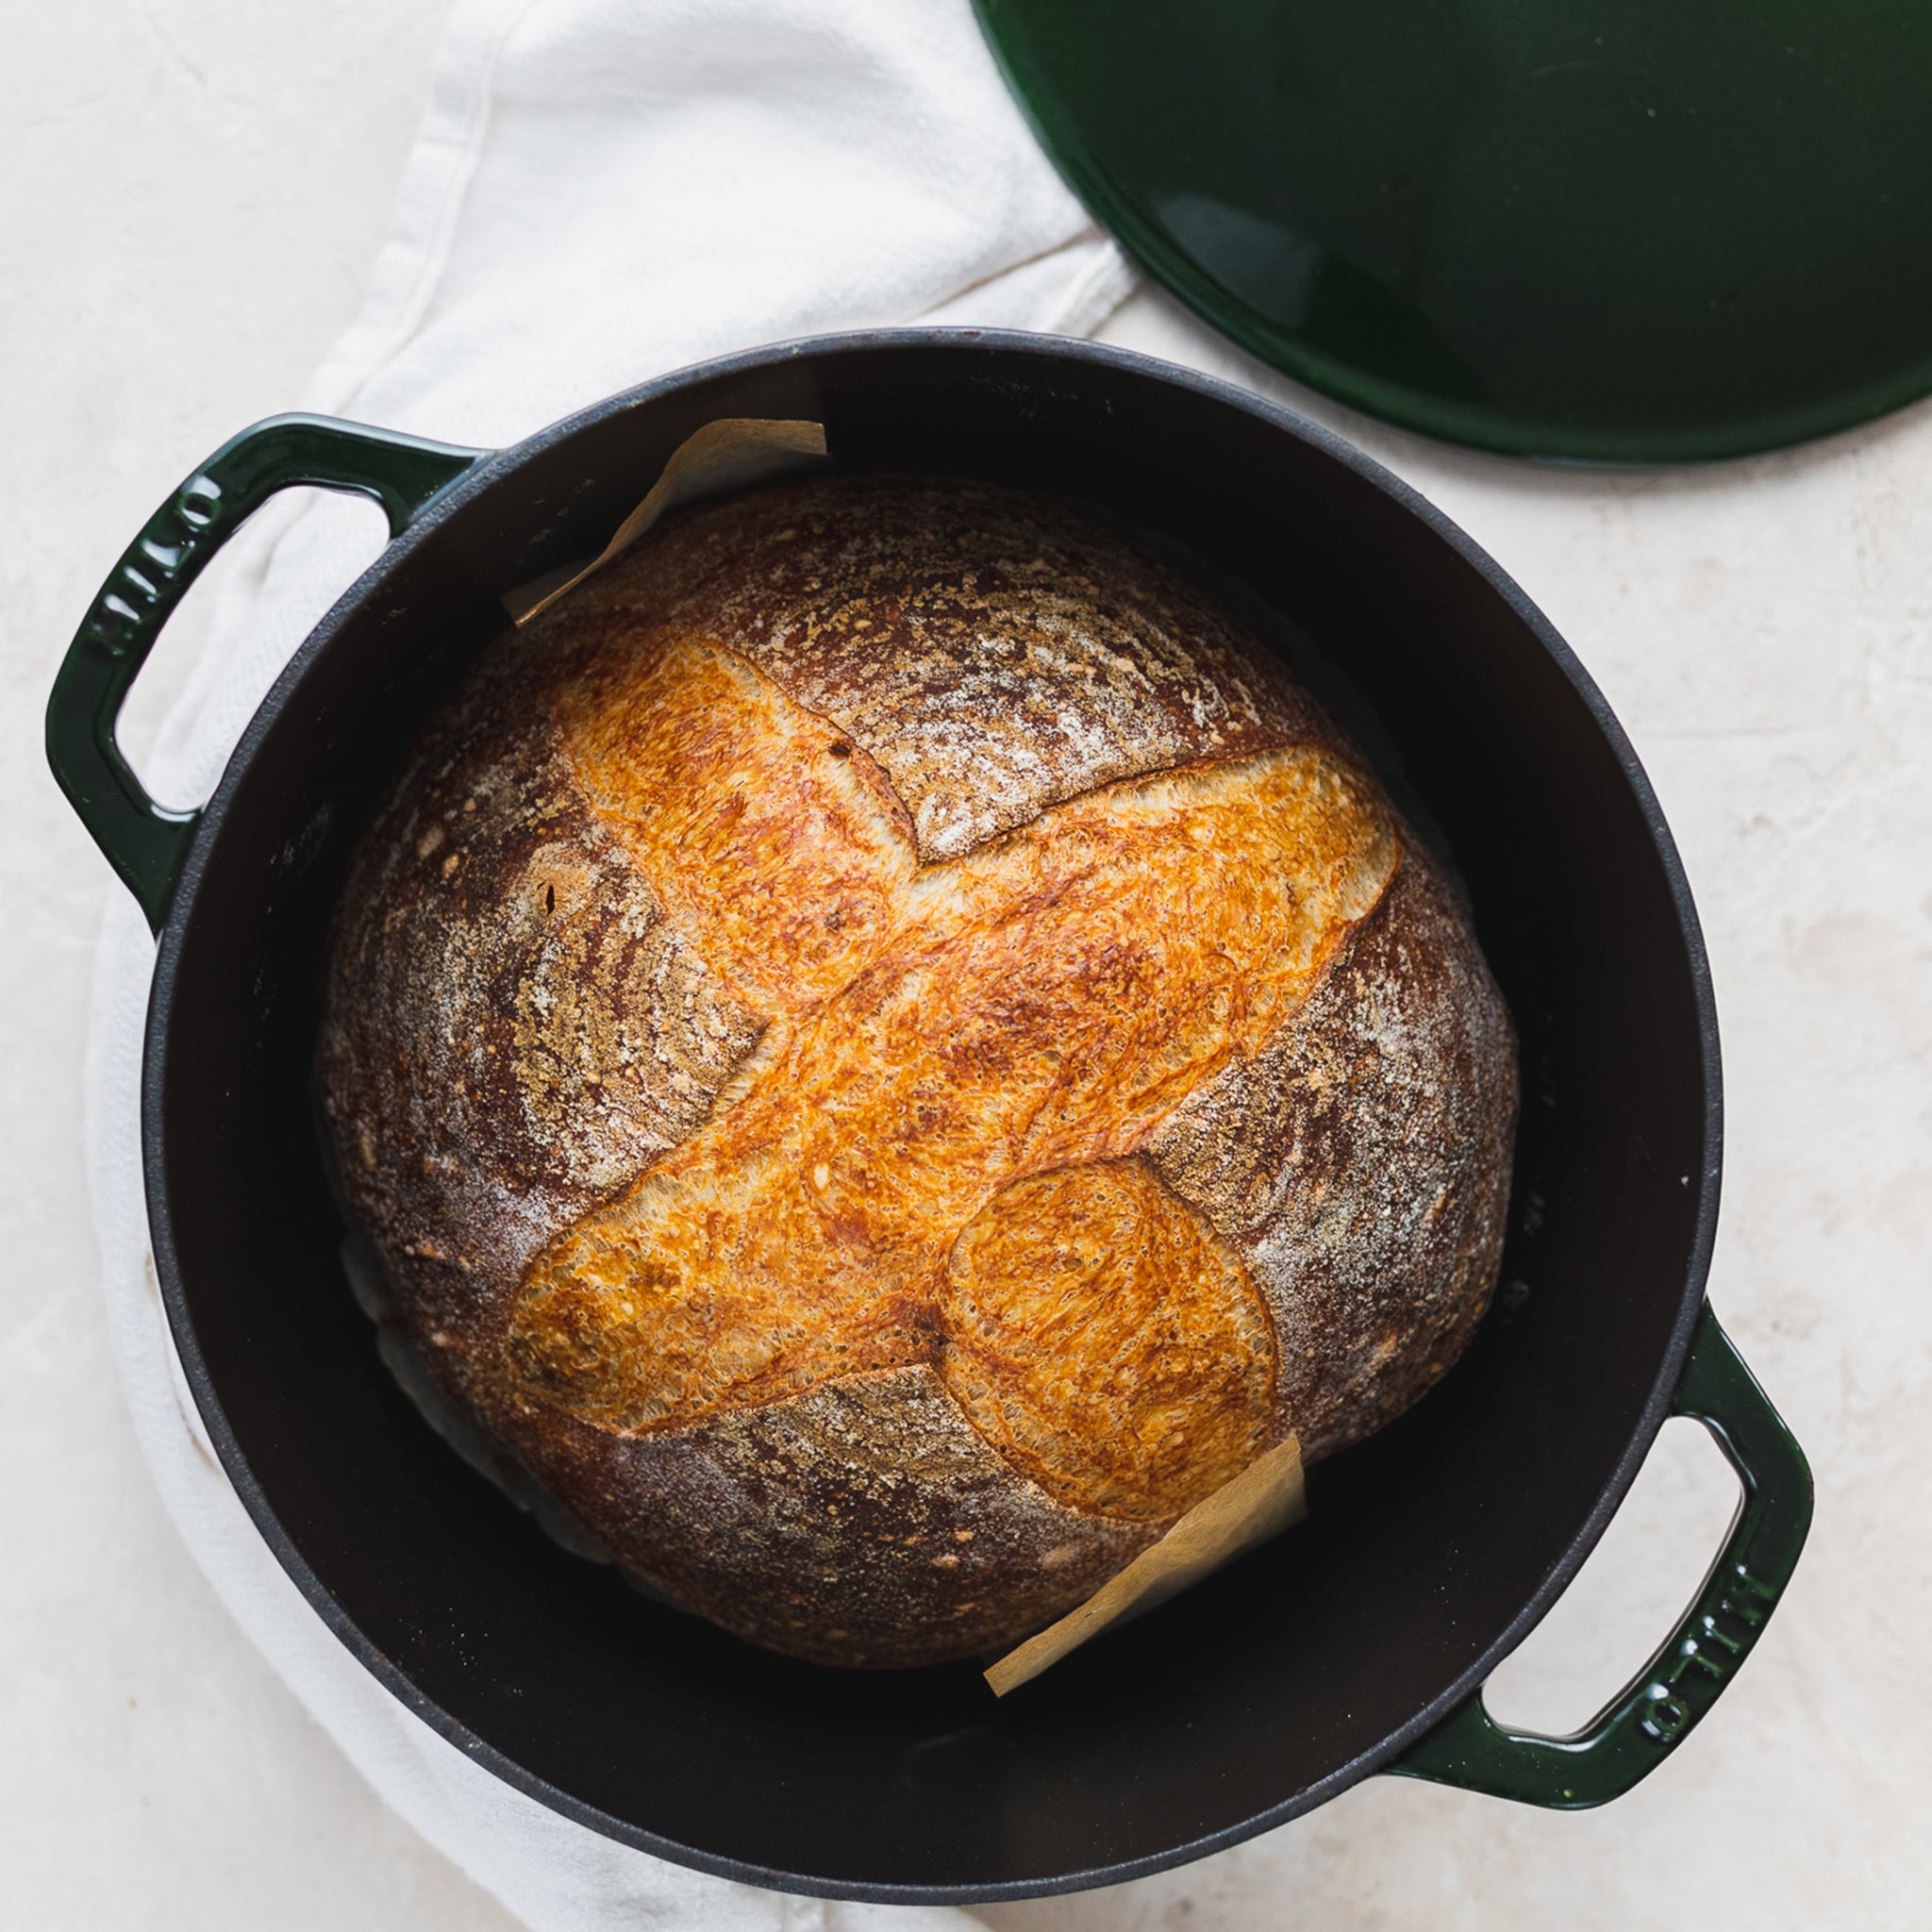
(601,190)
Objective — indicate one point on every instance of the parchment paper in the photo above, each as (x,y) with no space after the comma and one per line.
(1266,1498)
(731,454)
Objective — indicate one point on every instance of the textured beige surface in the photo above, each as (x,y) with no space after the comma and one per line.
(198,190)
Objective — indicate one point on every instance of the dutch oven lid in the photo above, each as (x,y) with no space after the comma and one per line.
(1642,234)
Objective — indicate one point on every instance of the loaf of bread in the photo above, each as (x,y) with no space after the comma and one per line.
(888,1051)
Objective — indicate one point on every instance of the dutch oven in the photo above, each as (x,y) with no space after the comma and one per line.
(1356,1643)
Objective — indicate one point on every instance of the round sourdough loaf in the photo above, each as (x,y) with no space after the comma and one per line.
(887,1052)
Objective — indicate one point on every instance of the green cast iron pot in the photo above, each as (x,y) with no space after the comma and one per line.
(1358,1644)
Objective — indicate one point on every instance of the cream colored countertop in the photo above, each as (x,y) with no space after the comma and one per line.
(196,191)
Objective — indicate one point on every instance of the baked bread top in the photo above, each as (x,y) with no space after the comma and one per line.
(889,1051)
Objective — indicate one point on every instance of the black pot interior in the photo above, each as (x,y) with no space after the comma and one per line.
(1275,1682)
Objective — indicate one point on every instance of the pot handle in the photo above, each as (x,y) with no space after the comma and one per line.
(145,842)
(1631,1736)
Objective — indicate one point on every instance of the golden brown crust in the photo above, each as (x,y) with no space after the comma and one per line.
(888,1053)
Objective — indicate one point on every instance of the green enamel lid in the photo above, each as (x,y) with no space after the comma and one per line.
(1657,231)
